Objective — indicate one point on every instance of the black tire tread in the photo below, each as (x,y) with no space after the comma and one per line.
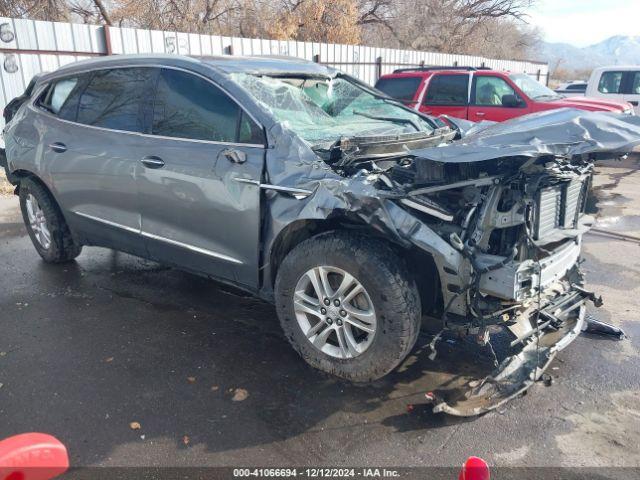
(63,246)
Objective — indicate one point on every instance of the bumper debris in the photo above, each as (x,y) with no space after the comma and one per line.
(598,327)
(559,324)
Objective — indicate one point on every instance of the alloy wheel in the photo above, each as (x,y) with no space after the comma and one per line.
(38,222)
(335,312)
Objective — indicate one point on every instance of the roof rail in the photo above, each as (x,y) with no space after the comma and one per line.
(439,67)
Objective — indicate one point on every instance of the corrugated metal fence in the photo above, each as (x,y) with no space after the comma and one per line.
(28,47)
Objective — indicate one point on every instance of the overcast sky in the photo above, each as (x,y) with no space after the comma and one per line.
(585,22)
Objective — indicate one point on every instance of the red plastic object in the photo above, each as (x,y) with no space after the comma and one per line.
(32,456)
(474,469)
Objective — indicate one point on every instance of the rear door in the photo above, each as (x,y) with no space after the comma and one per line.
(447,94)
(487,92)
(631,89)
(92,145)
(195,212)
(405,88)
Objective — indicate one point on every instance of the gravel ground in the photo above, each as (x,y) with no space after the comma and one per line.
(90,347)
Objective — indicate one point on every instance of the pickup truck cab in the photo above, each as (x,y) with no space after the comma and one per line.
(618,82)
(481,94)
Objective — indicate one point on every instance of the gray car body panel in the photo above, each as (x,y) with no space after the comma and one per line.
(109,198)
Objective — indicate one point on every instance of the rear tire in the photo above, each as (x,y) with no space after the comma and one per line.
(387,308)
(45,224)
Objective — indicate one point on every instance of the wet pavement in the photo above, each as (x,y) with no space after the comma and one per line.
(89,347)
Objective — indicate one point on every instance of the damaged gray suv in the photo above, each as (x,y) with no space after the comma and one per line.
(357,216)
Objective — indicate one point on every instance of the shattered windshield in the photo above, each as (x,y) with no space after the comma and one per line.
(323,110)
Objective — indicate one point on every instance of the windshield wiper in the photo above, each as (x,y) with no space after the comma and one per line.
(388,119)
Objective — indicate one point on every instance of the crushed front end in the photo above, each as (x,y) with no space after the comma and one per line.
(517,222)
(519,227)
(497,209)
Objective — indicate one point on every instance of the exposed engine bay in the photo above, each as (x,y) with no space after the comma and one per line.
(518,222)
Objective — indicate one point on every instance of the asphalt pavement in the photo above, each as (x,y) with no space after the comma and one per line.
(131,363)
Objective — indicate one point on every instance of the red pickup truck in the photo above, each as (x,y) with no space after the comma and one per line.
(481,94)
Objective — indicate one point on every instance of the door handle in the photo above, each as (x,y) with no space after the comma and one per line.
(480,114)
(235,156)
(153,162)
(58,147)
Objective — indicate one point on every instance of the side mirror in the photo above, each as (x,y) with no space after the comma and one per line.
(512,101)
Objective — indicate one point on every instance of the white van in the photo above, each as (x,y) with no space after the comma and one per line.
(618,82)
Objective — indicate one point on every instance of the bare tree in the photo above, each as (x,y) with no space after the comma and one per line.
(332,21)
(103,11)
(376,12)
(55,10)
(198,16)
(487,27)
(90,11)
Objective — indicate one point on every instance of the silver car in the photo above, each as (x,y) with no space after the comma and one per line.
(358,217)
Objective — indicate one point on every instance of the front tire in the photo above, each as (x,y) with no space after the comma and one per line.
(45,224)
(348,305)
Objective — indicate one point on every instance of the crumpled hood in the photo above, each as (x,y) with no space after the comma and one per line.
(564,132)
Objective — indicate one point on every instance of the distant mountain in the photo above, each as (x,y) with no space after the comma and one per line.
(617,50)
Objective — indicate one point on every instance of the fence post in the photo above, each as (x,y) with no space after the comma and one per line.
(107,39)
(378,68)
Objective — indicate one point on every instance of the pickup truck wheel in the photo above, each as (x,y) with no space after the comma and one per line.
(348,305)
(45,224)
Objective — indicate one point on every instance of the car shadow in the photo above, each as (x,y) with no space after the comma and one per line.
(129,340)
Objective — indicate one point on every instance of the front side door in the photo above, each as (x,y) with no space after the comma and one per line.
(447,94)
(610,85)
(91,147)
(195,213)
(487,92)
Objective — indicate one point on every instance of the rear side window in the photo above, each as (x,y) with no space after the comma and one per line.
(610,82)
(187,106)
(447,90)
(61,98)
(402,88)
(577,87)
(115,98)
